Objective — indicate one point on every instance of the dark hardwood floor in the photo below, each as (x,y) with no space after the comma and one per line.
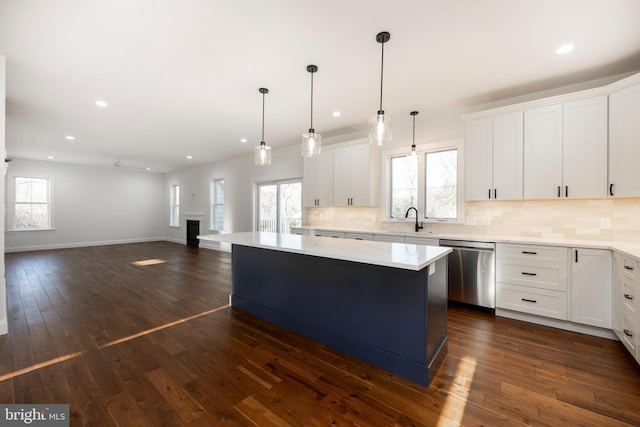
(157,345)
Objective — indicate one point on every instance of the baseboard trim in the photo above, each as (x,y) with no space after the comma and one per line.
(559,324)
(81,244)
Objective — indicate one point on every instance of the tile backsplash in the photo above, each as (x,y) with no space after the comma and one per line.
(585,219)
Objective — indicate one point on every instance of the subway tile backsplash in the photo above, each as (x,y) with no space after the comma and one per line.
(601,219)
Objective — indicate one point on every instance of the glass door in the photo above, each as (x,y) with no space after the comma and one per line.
(279,206)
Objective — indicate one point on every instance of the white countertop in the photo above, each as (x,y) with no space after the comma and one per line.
(398,255)
(626,248)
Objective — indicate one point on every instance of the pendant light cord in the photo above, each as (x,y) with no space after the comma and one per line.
(381,75)
(262,140)
(312,100)
(414,130)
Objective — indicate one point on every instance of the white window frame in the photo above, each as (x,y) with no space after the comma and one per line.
(11,196)
(214,205)
(421,151)
(174,206)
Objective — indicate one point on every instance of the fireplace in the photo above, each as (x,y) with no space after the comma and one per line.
(193,229)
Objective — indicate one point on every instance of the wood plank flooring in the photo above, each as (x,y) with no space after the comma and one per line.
(157,345)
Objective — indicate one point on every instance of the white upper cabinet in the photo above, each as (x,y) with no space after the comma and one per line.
(494,157)
(565,150)
(355,175)
(543,152)
(584,148)
(317,180)
(624,142)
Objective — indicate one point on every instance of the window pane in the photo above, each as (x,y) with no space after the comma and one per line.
(441,184)
(291,206)
(219,192)
(404,185)
(267,208)
(31,215)
(219,218)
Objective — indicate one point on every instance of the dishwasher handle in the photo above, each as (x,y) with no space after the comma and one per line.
(463,244)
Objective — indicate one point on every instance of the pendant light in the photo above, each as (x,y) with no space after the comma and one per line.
(413,145)
(311,141)
(263,151)
(380,125)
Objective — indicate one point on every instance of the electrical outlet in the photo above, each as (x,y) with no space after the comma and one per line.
(471,220)
(486,221)
(605,223)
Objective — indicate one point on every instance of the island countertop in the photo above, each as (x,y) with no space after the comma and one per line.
(397,255)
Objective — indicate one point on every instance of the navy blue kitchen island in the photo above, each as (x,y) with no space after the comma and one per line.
(384,303)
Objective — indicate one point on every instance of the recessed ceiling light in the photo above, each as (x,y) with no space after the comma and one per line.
(51,157)
(102,104)
(565,48)
(336,114)
(70,137)
(189,157)
(148,169)
(243,139)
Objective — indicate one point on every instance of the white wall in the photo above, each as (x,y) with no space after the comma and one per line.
(3,283)
(240,176)
(91,206)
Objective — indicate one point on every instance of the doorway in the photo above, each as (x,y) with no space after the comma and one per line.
(279,206)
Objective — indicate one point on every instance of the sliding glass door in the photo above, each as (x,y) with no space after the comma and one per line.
(279,206)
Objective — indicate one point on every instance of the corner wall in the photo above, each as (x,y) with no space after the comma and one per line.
(91,206)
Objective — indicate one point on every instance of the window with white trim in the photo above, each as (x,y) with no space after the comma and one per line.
(217,204)
(174,216)
(428,181)
(32,207)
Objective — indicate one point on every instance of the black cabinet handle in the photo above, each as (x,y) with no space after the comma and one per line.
(529,300)
(566,191)
(576,255)
(628,333)
(489,193)
(627,296)
(530,253)
(495,194)
(558,191)
(611,189)
(529,274)
(628,267)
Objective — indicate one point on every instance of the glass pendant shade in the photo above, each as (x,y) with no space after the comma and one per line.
(262,154)
(311,143)
(380,132)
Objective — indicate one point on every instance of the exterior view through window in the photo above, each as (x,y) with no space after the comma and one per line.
(404,185)
(217,204)
(279,206)
(31,203)
(174,214)
(441,184)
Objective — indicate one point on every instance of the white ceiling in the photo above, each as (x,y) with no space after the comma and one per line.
(182,77)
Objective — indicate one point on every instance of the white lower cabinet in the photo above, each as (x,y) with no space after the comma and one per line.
(427,241)
(591,287)
(626,302)
(388,238)
(358,236)
(532,279)
(329,233)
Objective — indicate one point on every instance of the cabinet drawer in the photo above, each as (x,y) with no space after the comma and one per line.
(532,252)
(334,234)
(630,268)
(388,238)
(630,296)
(358,236)
(428,241)
(532,300)
(629,335)
(541,275)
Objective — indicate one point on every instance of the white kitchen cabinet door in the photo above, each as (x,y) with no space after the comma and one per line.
(584,148)
(317,180)
(479,158)
(508,134)
(624,142)
(591,287)
(352,176)
(543,152)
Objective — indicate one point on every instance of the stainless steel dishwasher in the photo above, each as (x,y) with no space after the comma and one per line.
(472,273)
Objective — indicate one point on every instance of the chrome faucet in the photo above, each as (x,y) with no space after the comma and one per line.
(418,227)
